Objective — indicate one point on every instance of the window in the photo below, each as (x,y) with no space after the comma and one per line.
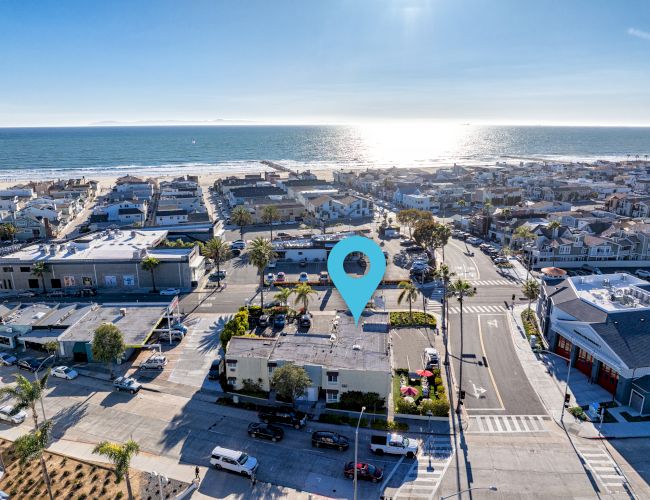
(86,281)
(128,280)
(25,269)
(332,396)
(232,381)
(33,283)
(8,269)
(68,281)
(110,281)
(565,249)
(332,377)
(232,364)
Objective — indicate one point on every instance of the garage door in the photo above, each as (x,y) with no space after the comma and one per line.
(636,401)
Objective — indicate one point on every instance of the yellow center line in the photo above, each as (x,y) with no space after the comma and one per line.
(494,384)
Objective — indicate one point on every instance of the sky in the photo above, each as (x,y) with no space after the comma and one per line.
(71,62)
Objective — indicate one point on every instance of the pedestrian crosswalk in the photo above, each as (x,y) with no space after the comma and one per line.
(427,471)
(505,424)
(493,283)
(603,467)
(436,307)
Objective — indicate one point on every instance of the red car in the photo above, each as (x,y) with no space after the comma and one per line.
(368,472)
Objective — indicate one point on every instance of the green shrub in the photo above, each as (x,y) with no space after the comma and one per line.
(383,425)
(355,400)
(437,407)
(578,412)
(437,381)
(406,407)
(398,319)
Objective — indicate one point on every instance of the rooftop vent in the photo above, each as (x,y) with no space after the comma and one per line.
(123,311)
(332,338)
(356,347)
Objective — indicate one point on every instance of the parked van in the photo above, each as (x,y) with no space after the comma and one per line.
(234,461)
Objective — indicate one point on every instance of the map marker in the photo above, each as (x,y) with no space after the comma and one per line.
(356,291)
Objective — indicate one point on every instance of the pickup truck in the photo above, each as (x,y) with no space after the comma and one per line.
(393,444)
(126,384)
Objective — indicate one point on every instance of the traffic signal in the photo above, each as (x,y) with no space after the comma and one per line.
(567,400)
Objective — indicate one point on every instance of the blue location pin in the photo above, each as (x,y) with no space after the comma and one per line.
(356,291)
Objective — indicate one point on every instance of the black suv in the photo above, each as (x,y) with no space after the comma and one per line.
(283,416)
(215,369)
(266,431)
(329,439)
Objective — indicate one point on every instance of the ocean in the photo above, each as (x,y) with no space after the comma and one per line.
(31,153)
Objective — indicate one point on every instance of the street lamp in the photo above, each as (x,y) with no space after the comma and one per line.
(42,388)
(458,493)
(356,449)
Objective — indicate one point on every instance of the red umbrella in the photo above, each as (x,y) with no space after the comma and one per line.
(424,373)
(407,390)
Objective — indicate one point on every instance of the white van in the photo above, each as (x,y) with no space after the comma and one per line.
(235,461)
(155,362)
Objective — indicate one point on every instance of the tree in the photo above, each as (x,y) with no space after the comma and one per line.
(108,345)
(31,446)
(283,295)
(530,289)
(409,293)
(270,214)
(443,274)
(426,235)
(302,293)
(442,236)
(150,264)
(241,217)
(260,254)
(51,347)
(290,381)
(25,394)
(39,269)
(461,289)
(525,234)
(218,251)
(120,455)
(8,231)
(410,217)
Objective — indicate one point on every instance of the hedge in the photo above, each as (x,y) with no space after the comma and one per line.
(398,319)
(530,323)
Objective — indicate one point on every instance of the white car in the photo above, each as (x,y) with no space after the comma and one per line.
(9,414)
(238,245)
(64,372)
(270,278)
(234,461)
(170,291)
(7,359)
(155,362)
(303,278)
(642,273)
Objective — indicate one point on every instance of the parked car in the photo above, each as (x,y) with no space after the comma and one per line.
(7,359)
(303,263)
(283,415)
(180,327)
(8,413)
(235,252)
(86,292)
(281,277)
(327,439)
(27,294)
(30,364)
(642,273)
(218,275)
(155,362)
(431,358)
(264,320)
(64,372)
(215,370)
(303,278)
(174,334)
(272,265)
(305,321)
(324,278)
(128,384)
(270,278)
(366,472)
(238,245)
(170,291)
(56,293)
(265,431)
(280,320)
(234,461)
(394,444)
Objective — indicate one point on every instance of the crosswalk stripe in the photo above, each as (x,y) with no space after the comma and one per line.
(506,424)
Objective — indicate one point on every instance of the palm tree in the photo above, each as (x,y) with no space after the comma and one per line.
(120,455)
(283,295)
(443,273)
(26,394)
(270,214)
(530,289)
(442,235)
(31,446)
(241,217)
(461,289)
(218,251)
(302,293)
(8,231)
(260,254)
(524,233)
(409,292)
(150,264)
(39,269)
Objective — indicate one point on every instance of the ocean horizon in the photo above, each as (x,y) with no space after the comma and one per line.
(59,152)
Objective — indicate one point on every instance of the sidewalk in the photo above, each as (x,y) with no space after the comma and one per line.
(547,375)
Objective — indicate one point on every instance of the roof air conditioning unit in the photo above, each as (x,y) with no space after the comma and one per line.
(356,347)
(123,311)
(332,338)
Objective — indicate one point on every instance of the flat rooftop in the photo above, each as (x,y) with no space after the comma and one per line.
(136,325)
(109,245)
(44,315)
(612,292)
(333,341)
